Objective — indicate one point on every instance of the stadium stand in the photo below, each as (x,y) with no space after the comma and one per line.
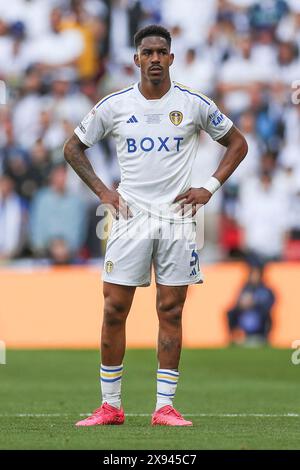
(58,57)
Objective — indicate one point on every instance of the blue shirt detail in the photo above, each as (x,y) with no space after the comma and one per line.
(115,94)
(195,94)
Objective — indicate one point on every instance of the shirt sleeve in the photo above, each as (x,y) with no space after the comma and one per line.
(96,125)
(214,122)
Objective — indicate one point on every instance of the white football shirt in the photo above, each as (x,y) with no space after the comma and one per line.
(156,141)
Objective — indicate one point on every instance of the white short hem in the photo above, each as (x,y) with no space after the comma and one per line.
(124,283)
(163,283)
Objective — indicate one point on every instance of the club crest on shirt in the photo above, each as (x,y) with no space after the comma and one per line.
(109,265)
(176,117)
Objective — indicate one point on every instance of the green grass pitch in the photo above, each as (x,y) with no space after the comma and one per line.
(239,399)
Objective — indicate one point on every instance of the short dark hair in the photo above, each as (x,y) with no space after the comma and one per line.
(152,30)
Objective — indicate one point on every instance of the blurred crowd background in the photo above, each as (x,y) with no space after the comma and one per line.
(59,57)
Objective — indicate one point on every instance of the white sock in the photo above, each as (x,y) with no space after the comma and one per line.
(111,378)
(166,387)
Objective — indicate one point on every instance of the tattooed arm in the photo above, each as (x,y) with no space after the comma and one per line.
(74,153)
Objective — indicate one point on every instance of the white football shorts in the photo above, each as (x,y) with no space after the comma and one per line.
(138,243)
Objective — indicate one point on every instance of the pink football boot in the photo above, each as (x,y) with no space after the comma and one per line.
(168,416)
(106,414)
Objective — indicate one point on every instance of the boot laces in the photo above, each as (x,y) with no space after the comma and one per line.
(174,412)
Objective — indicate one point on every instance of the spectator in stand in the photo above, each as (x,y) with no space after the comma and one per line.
(266,15)
(7,139)
(63,106)
(250,166)
(27,109)
(15,54)
(251,315)
(57,213)
(239,74)
(11,215)
(196,71)
(125,16)
(17,166)
(193,20)
(34,14)
(287,64)
(289,153)
(289,28)
(119,76)
(263,217)
(66,101)
(59,253)
(29,171)
(92,30)
(269,125)
(40,164)
(58,48)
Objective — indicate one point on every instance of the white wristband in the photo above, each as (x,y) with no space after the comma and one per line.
(212,185)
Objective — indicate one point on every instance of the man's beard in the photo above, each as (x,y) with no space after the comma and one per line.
(156,81)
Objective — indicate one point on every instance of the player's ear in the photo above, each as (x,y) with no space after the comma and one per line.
(136,60)
(171,59)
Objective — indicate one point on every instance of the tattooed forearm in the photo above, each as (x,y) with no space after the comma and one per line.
(75,156)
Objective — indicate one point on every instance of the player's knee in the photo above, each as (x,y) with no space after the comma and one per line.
(115,313)
(169,312)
